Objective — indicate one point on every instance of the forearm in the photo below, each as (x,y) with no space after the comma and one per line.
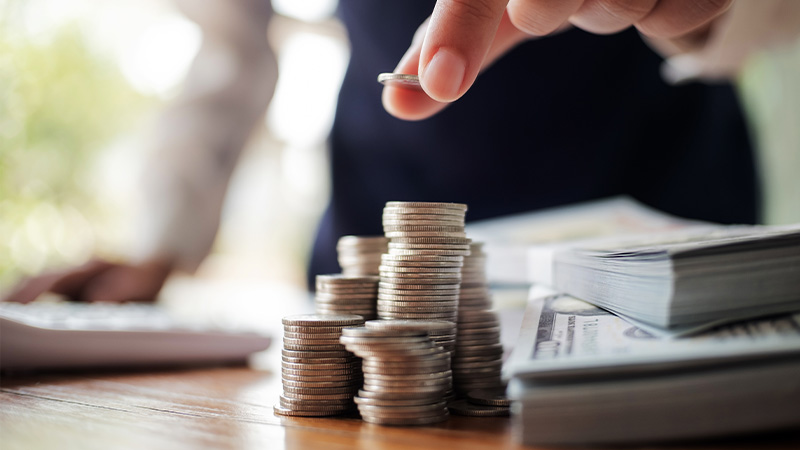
(199,138)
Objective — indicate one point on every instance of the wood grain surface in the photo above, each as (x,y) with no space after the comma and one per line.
(224,407)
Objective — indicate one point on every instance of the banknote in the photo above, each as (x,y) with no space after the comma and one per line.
(561,335)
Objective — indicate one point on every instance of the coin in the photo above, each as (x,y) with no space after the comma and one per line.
(405,421)
(489,397)
(444,205)
(278,409)
(391,402)
(350,383)
(465,408)
(316,400)
(312,320)
(314,354)
(400,80)
(410,325)
(292,391)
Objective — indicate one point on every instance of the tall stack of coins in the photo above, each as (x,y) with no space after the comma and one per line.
(347,294)
(405,376)
(478,358)
(421,273)
(320,377)
(360,255)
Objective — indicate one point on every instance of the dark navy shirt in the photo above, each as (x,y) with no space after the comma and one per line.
(563,119)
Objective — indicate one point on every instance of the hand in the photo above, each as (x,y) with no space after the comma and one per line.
(462,37)
(97,281)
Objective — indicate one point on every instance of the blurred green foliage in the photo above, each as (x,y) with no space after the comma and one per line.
(59,104)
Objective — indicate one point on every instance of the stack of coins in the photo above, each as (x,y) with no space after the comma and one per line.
(474,293)
(478,360)
(361,255)
(405,376)
(347,294)
(421,273)
(482,403)
(320,377)
(440,332)
(479,355)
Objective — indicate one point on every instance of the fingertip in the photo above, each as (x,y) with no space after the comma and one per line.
(443,77)
(408,104)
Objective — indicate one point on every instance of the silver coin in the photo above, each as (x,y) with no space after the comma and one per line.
(392,402)
(345,361)
(280,410)
(412,421)
(465,408)
(400,80)
(421,277)
(332,400)
(305,354)
(383,413)
(489,397)
(386,298)
(419,292)
(426,234)
(311,320)
(367,332)
(322,384)
(312,330)
(394,285)
(428,363)
(396,220)
(410,325)
(295,335)
(422,258)
(306,372)
(414,204)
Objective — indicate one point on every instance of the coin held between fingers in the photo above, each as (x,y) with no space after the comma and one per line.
(400,80)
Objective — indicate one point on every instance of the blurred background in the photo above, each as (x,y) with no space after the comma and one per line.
(82,81)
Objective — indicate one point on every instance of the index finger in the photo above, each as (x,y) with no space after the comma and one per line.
(459,36)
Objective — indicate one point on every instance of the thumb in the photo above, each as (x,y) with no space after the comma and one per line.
(458,39)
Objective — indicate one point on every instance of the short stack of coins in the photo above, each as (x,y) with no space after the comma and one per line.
(440,332)
(319,376)
(347,294)
(478,360)
(482,403)
(361,255)
(406,376)
(421,273)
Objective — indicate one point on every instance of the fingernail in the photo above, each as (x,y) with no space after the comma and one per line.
(443,76)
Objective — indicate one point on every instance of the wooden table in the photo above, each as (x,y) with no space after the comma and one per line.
(223,407)
(228,407)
